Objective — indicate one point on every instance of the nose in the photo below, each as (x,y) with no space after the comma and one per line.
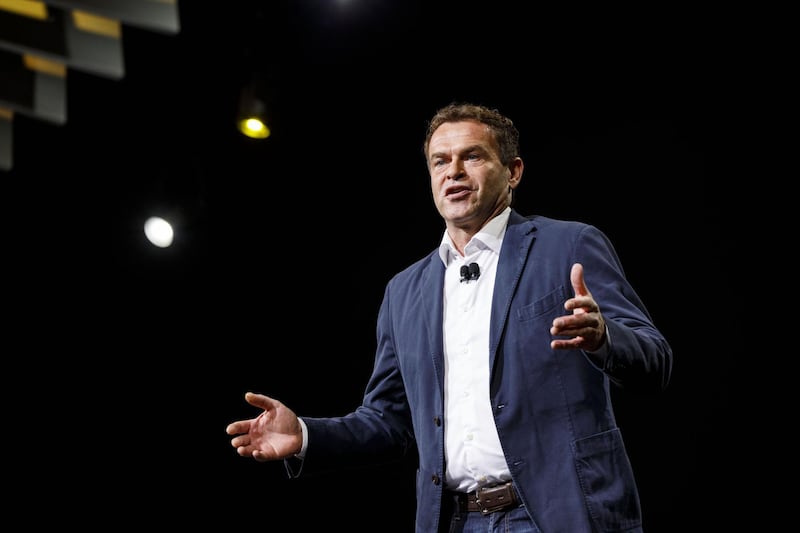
(455,170)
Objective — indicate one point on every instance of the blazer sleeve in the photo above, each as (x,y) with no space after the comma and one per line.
(638,354)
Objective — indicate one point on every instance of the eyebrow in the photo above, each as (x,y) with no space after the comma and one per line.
(467,149)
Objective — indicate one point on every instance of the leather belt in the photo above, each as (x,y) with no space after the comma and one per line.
(487,499)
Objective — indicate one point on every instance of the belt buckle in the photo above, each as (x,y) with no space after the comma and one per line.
(491,499)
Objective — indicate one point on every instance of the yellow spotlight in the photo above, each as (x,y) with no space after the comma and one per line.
(254,127)
(252,119)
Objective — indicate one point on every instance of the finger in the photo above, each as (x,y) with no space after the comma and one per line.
(578,283)
(562,324)
(235,428)
(259,400)
(565,344)
(240,442)
(581,304)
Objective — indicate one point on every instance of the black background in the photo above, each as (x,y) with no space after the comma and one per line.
(133,360)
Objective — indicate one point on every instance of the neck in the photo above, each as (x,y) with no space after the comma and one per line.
(461,234)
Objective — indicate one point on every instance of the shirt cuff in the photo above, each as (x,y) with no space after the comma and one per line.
(302,453)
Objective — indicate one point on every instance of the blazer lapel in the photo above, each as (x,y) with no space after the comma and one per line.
(517,241)
(432,288)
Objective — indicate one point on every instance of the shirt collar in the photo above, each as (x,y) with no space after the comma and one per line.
(490,236)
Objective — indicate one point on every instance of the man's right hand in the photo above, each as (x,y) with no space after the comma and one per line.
(272,435)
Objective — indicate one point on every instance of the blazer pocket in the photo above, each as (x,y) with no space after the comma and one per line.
(606,477)
(546,304)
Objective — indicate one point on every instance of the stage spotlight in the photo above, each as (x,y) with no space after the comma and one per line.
(253,119)
(159,232)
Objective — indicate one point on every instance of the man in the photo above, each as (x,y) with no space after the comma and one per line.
(504,394)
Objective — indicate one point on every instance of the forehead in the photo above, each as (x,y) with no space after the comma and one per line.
(466,132)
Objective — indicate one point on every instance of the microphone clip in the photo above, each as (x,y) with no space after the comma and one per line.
(471,272)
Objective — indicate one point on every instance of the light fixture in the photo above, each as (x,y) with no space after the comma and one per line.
(159,231)
(253,116)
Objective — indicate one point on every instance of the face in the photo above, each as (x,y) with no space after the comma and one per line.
(469,183)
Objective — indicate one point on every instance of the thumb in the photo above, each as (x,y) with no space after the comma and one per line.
(259,400)
(578,284)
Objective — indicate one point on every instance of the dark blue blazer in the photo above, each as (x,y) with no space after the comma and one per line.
(552,408)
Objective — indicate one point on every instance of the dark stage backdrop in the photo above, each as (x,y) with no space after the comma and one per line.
(134,360)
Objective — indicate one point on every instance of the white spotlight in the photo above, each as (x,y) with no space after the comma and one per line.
(159,232)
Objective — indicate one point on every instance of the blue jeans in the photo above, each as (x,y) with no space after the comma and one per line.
(514,520)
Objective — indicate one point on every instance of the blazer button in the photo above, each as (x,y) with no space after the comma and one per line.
(437,421)
(435,479)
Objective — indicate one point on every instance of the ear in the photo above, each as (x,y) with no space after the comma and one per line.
(515,175)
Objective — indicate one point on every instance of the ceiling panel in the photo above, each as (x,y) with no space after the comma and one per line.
(41,42)
(155,15)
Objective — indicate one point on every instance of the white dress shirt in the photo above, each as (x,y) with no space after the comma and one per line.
(474,456)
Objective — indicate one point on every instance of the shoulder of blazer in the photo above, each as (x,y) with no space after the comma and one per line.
(532,223)
(524,224)
(421,269)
